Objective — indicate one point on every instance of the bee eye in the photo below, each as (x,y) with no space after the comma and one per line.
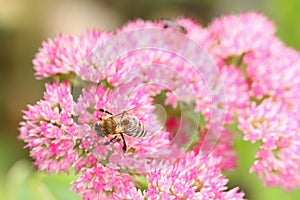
(99,130)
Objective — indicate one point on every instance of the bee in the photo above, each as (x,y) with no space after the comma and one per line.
(119,124)
(174,25)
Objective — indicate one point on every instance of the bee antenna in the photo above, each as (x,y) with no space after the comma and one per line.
(105,111)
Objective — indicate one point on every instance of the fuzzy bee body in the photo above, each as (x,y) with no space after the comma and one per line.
(119,124)
(133,127)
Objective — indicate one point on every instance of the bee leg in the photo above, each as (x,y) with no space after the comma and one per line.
(124,143)
(108,142)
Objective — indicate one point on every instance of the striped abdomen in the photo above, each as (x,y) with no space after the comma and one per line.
(133,127)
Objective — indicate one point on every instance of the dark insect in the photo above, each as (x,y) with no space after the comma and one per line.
(174,25)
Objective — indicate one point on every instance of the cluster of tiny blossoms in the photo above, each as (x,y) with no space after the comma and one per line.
(259,75)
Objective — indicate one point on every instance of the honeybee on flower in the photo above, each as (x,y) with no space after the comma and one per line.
(119,124)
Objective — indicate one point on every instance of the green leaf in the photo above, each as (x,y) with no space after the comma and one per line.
(59,185)
(142,181)
(19,185)
(24,183)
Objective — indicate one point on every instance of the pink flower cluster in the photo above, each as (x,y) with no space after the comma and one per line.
(259,75)
(201,180)
(270,79)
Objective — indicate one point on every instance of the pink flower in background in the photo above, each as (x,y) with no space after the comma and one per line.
(237,91)
(259,75)
(276,74)
(194,30)
(277,128)
(57,56)
(234,35)
(270,71)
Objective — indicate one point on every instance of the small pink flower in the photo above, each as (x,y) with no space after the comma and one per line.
(48,129)
(276,128)
(274,75)
(57,56)
(91,65)
(99,182)
(222,149)
(238,34)
(236,90)
(191,177)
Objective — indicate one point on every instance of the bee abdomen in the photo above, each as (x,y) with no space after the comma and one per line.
(133,127)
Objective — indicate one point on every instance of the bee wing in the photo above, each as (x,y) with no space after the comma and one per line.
(160,115)
(130,111)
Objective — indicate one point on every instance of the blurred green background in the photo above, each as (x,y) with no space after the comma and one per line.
(24,24)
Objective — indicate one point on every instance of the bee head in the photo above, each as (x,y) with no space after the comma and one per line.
(98,129)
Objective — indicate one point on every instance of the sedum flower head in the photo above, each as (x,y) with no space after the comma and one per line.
(57,56)
(49,129)
(237,34)
(276,128)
